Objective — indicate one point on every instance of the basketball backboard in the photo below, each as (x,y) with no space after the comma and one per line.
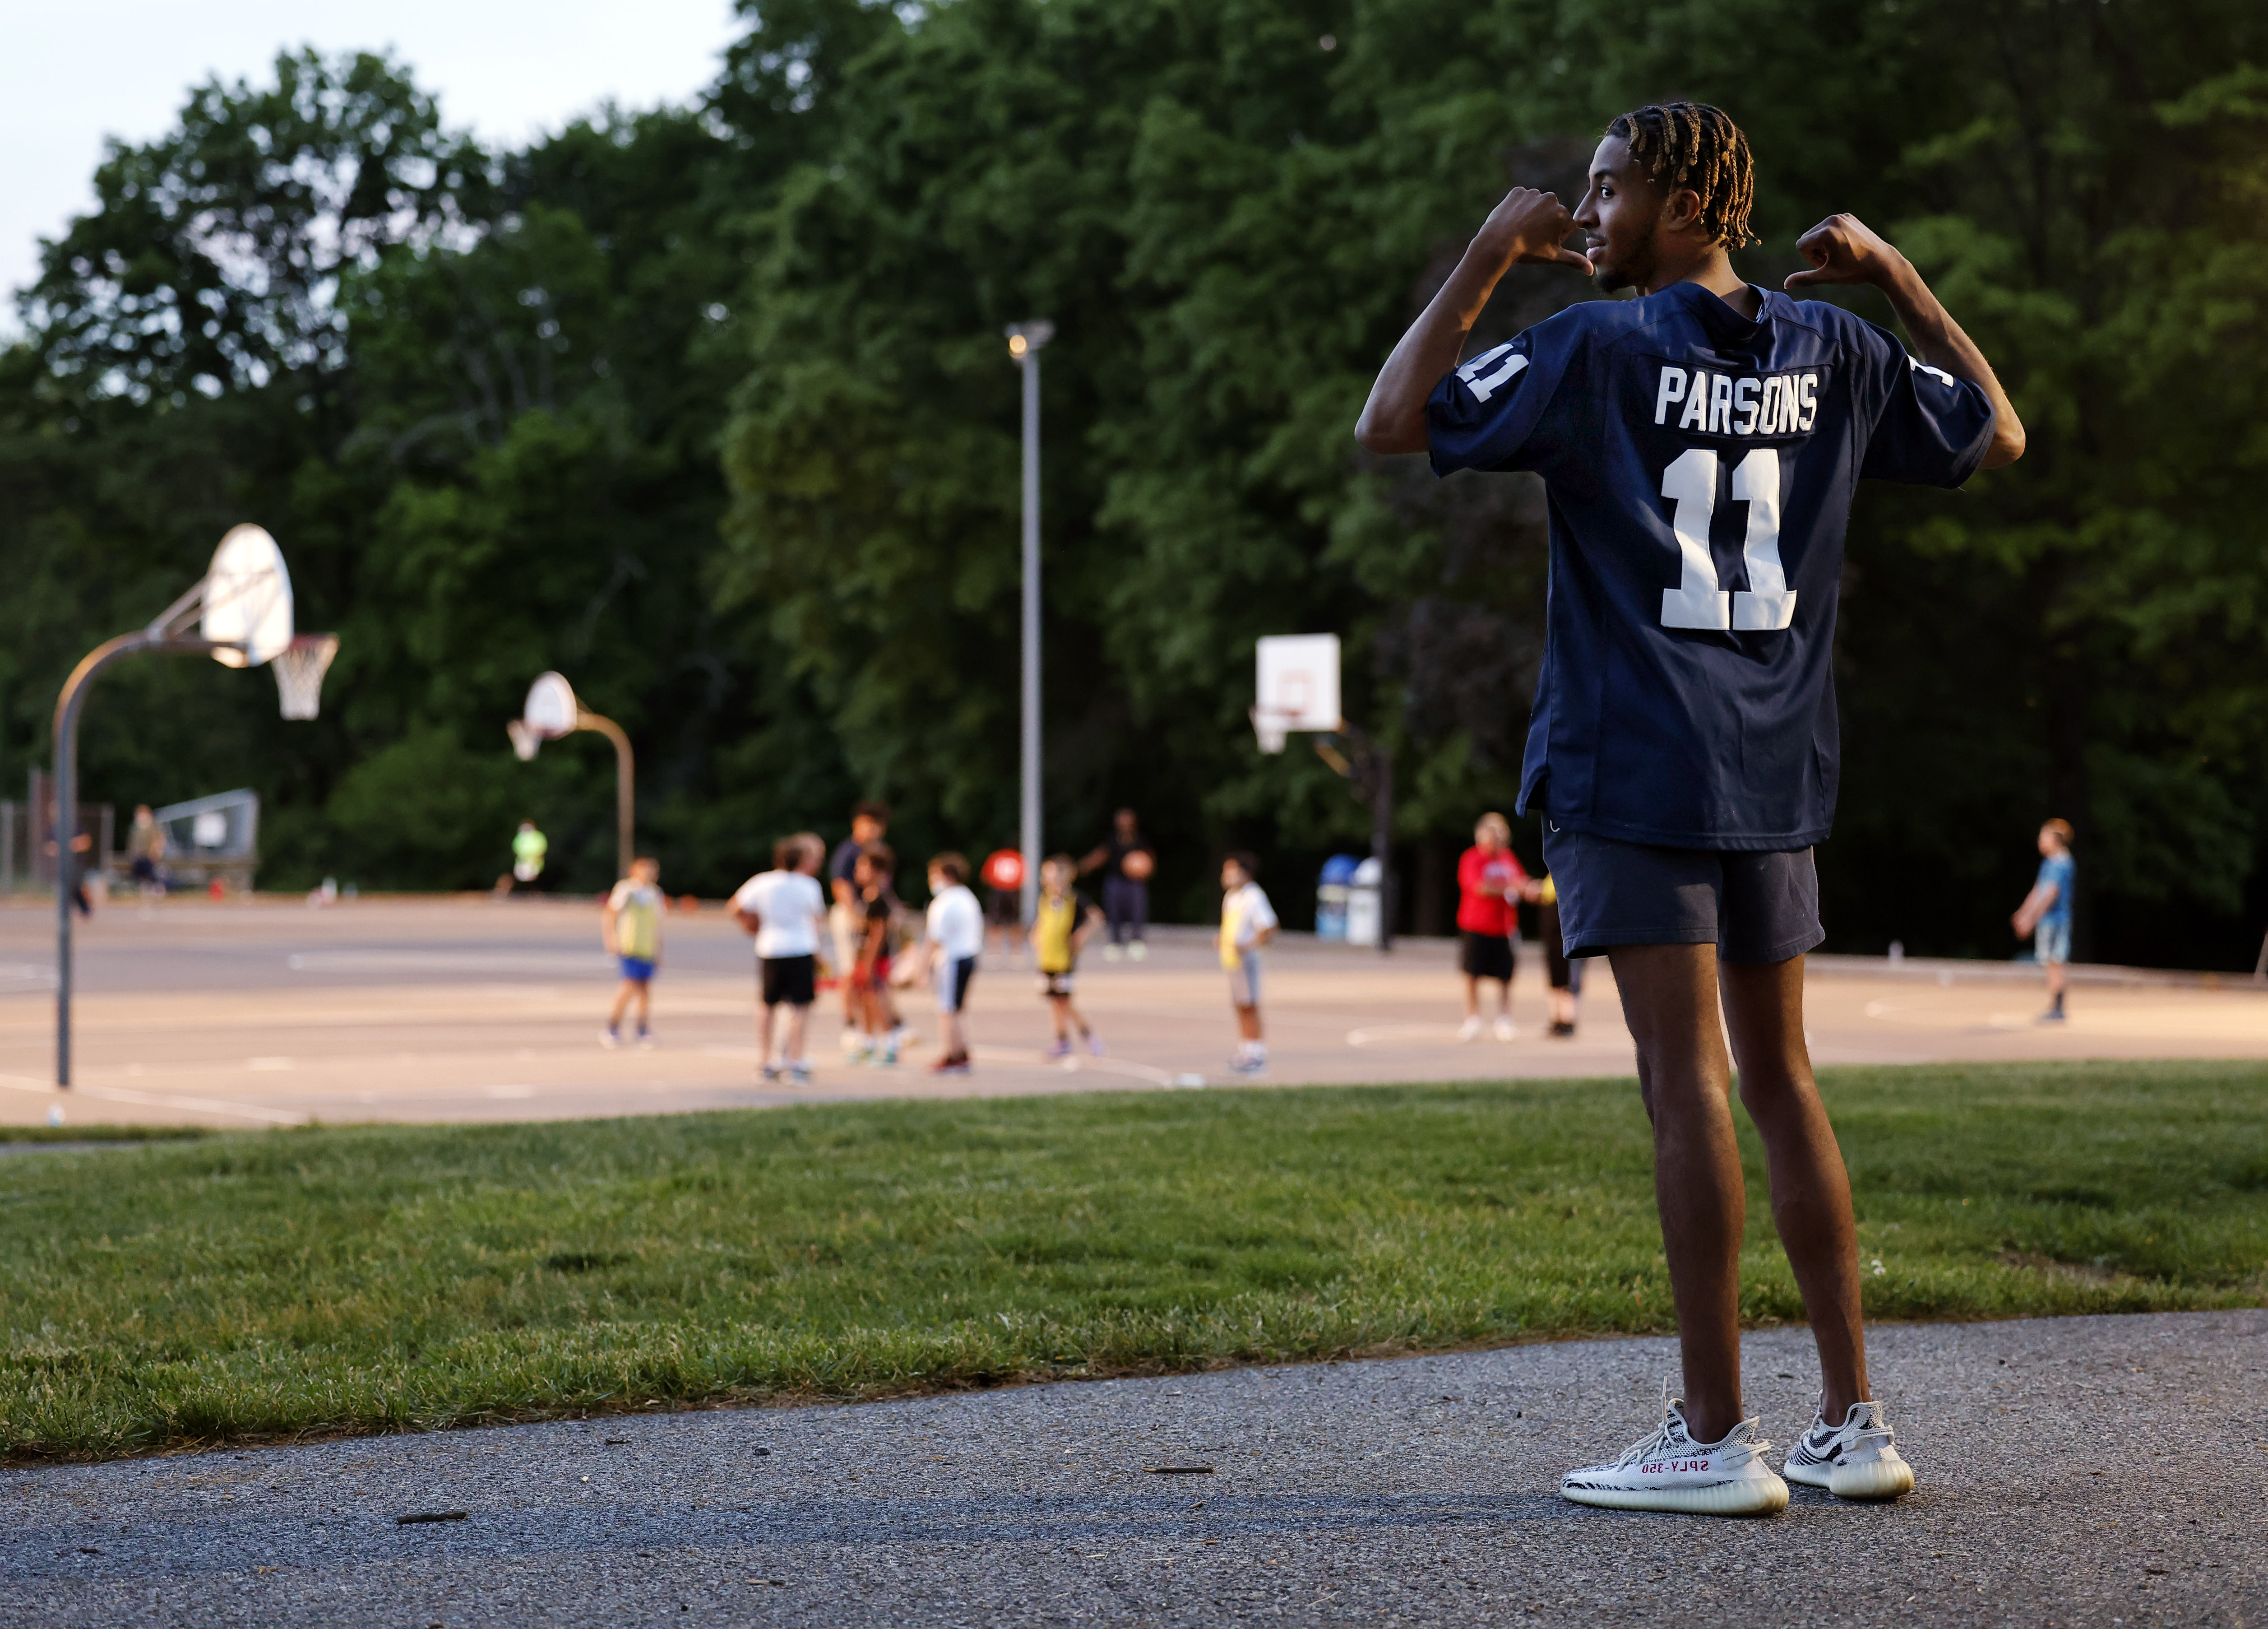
(1297,686)
(551,708)
(248,598)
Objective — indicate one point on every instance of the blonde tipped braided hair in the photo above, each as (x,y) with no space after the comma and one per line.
(1693,145)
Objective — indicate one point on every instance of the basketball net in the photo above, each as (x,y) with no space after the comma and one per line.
(299,672)
(1273,724)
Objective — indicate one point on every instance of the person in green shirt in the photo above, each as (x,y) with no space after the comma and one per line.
(528,847)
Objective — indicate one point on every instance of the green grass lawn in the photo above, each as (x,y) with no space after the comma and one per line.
(409,1278)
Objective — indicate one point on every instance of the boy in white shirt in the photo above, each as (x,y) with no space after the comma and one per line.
(1247,921)
(955,930)
(630,925)
(785,909)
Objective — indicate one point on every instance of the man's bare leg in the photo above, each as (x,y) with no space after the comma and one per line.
(1669,1000)
(1811,1189)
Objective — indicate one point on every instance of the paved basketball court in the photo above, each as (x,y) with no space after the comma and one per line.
(270,1012)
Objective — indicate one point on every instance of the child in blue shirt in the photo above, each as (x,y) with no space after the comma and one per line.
(2045,915)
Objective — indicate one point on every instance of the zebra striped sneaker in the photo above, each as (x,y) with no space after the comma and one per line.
(1858,1459)
(1669,1470)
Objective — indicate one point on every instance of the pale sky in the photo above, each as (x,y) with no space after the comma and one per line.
(75,72)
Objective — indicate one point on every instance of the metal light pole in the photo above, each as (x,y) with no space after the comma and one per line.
(1025,343)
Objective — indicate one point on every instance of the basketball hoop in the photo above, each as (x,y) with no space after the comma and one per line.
(1297,687)
(299,668)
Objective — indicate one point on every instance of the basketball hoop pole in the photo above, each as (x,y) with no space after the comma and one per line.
(153,638)
(625,786)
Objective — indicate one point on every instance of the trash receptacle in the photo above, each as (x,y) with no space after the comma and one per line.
(1364,908)
(1331,895)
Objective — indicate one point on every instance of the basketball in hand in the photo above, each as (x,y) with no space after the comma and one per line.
(1137,864)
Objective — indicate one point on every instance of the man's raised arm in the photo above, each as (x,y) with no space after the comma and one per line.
(1843,248)
(1528,225)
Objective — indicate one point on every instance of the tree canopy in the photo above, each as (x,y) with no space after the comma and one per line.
(710,410)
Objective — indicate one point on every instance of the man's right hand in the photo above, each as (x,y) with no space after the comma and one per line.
(1531,227)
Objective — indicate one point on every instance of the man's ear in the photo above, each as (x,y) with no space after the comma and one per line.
(1681,211)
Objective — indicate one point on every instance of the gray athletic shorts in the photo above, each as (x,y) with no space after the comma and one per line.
(1756,908)
(1244,980)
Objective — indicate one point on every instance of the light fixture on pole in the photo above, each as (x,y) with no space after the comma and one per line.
(1025,343)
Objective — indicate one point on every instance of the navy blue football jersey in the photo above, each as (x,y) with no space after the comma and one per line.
(1700,469)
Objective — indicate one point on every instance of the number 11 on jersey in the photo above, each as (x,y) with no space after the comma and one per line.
(1767,604)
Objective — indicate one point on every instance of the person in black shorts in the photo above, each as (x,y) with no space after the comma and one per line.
(1490,884)
(1126,862)
(785,909)
(1700,444)
(1566,977)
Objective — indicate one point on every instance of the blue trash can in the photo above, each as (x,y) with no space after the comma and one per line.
(1331,896)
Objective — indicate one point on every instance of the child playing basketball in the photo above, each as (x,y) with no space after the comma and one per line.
(630,925)
(1247,922)
(2044,917)
(873,907)
(1700,445)
(955,927)
(785,911)
(1062,922)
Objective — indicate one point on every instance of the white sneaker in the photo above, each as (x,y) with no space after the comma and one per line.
(1138,951)
(1470,1029)
(1858,1459)
(1505,1030)
(1111,952)
(1669,1470)
(610,1037)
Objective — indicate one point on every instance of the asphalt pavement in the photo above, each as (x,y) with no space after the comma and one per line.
(2108,1471)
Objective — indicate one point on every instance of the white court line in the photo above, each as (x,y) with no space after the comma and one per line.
(1387,1033)
(449,961)
(1106,1064)
(156,1099)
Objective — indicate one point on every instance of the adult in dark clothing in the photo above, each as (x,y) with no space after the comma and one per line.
(1126,861)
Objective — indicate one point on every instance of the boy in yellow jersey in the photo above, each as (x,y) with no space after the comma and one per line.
(1062,922)
(631,926)
(1566,977)
(1247,921)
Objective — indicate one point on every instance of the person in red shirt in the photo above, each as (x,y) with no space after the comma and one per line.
(1490,884)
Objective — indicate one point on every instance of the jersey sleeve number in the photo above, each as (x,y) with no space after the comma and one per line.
(1768,603)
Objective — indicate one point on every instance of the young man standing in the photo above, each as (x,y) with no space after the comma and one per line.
(630,925)
(1247,922)
(1699,446)
(785,911)
(2044,917)
(954,927)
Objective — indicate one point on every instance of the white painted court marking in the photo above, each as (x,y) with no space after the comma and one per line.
(1385,1034)
(158,1099)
